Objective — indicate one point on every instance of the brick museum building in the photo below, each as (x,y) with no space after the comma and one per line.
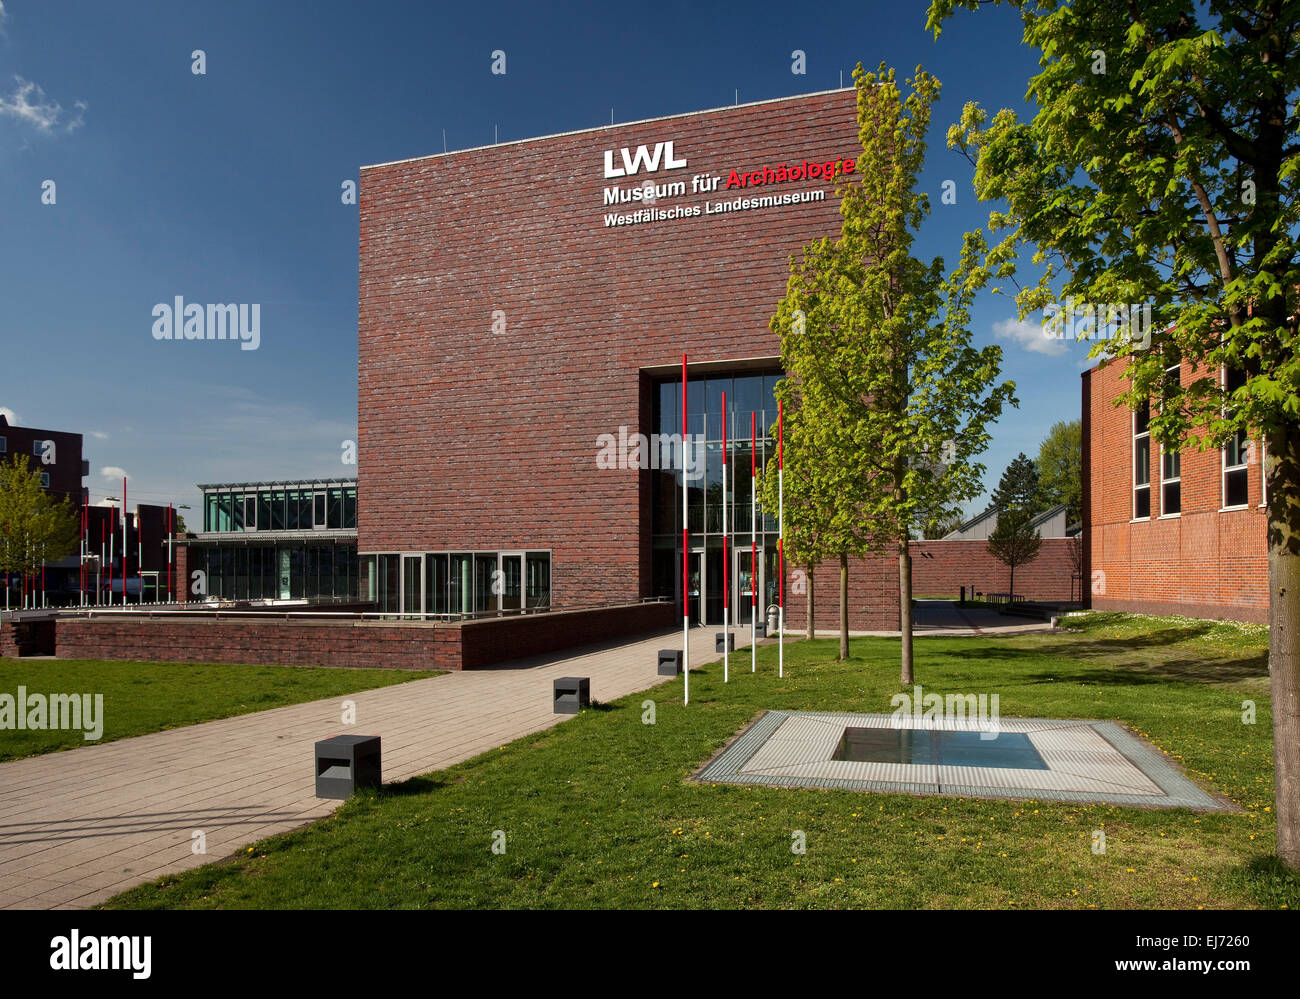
(1170,532)
(524,308)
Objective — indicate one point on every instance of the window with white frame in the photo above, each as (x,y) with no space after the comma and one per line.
(1142,462)
(1171,482)
(1236,486)
(1263,471)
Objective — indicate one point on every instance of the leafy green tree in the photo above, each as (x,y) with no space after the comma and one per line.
(33,528)
(878,343)
(808,524)
(1161,167)
(1014,541)
(1018,489)
(1060,462)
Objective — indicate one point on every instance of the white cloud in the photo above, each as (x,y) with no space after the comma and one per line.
(1029,336)
(113,472)
(3,15)
(99,435)
(29,105)
(14,419)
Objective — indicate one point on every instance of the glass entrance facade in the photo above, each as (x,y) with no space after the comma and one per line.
(748,395)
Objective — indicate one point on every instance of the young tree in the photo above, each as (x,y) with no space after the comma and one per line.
(33,528)
(1014,541)
(1078,562)
(1018,488)
(1060,460)
(1161,167)
(878,342)
(808,537)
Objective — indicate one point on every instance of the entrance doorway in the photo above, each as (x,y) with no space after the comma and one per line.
(743,599)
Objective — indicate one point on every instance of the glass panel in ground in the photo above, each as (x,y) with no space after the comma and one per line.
(1006,750)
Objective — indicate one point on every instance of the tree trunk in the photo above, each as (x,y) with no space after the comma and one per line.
(1283,477)
(844,605)
(1012,585)
(812,606)
(905,608)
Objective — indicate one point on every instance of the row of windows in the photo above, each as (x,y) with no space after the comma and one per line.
(281,572)
(281,510)
(457,582)
(1235,456)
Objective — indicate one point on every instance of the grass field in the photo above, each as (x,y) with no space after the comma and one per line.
(144,697)
(597,812)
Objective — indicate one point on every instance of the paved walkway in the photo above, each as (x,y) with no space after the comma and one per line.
(944,618)
(79,826)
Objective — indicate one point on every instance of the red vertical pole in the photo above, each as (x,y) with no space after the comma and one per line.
(125,540)
(726,603)
(686,557)
(81,576)
(753,542)
(780,537)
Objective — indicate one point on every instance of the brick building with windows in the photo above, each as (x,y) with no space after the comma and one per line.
(524,308)
(1170,532)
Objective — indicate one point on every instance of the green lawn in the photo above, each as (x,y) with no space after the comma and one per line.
(142,697)
(597,811)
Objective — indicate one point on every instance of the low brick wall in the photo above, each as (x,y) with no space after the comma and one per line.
(26,638)
(408,645)
(495,640)
(942,568)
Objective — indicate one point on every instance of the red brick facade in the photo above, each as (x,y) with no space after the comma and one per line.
(873,596)
(504,327)
(942,568)
(1203,562)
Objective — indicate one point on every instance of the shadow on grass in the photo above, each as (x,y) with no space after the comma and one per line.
(410,786)
(1205,667)
(1269,882)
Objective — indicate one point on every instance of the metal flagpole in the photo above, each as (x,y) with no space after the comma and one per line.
(780,536)
(686,558)
(125,542)
(753,542)
(726,621)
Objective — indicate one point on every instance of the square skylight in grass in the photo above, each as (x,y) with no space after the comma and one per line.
(1049,759)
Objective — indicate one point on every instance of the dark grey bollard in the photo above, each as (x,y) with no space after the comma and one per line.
(724,642)
(760,630)
(345,763)
(572,694)
(670,662)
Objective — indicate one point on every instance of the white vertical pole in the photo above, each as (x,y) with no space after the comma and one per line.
(686,556)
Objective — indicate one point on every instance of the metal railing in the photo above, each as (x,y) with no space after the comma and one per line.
(231,609)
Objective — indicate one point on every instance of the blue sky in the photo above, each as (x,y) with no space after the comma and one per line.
(224,187)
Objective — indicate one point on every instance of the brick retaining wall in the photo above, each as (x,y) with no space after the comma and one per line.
(355,644)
